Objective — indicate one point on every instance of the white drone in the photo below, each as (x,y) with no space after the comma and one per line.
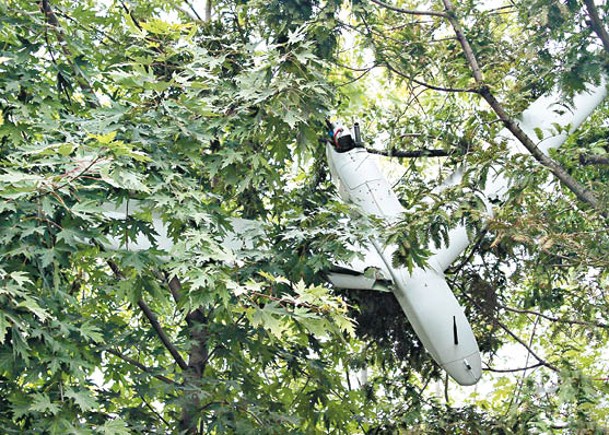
(423,293)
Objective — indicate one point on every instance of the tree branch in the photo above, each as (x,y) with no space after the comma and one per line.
(409,11)
(527,347)
(132,16)
(53,23)
(194,11)
(153,322)
(141,366)
(467,49)
(154,411)
(425,84)
(195,319)
(596,24)
(591,159)
(410,154)
(162,335)
(511,334)
(583,194)
(359,77)
(198,357)
(188,14)
(555,319)
(520,369)
(207,11)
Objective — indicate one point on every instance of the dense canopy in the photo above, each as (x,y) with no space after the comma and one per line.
(203,112)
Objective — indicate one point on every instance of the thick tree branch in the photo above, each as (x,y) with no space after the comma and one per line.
(207,11)
(175,287)
(196,321)
(591,159)
(597,24)
(162,335)
(409,11)
(141,366)
(583,194)
(409,154)
(198,357)
(467,49)
(520,369)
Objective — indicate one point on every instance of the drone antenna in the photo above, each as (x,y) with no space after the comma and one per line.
(357,134)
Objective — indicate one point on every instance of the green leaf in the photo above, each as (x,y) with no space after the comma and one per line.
(4,325)
(104,139)
(33,306)
(66,149)
(123,179)
(83,398)
(268,319)
(115,426)
(42,403)
(20,278)
(91,331)
(538,133)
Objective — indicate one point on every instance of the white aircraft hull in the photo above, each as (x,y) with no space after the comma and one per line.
(431,307)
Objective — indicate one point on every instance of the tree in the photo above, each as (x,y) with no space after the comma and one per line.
(202,118)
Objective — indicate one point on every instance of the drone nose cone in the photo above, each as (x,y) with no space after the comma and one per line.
(465,371)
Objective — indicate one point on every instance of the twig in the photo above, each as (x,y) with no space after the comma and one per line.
(154,411)
(352,68)
(88,28)
(528,348)
(359,77)
(409,11)
(80,174)
(516,396)
(188,14)
(135,20)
